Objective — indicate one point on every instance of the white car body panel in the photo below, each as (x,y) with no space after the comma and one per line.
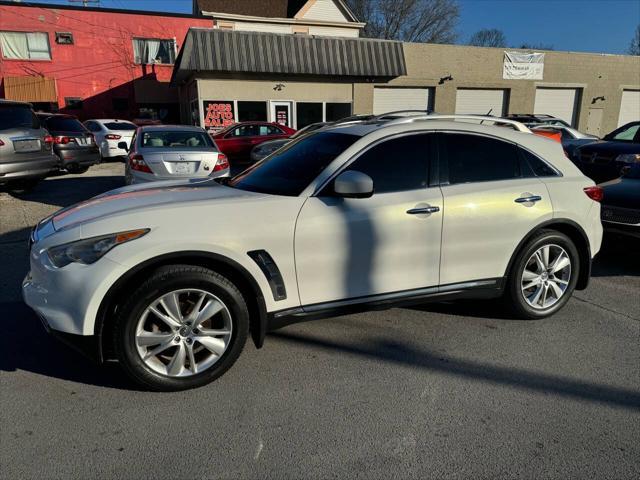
(109,147)
(307,238)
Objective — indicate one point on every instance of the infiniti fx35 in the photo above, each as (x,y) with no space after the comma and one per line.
(169,279)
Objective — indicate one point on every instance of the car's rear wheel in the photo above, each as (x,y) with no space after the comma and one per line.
(76,169)
(543,276)
(182,328)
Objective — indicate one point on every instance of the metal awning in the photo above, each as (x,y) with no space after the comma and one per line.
(216,50)
(30,89)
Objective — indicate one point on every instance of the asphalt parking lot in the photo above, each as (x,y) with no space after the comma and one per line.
(437,391)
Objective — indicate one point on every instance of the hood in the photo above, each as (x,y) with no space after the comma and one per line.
(133,199)
(611,147)
(622,192)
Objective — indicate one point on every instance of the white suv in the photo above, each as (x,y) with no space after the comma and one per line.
(169,279)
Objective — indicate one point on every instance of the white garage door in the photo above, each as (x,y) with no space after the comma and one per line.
(387,99)
(558,102)
(481,101)
(629,107)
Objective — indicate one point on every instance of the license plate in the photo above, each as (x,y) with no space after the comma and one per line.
(26,145)
(183,168)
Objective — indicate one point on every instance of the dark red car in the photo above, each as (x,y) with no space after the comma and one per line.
(237,140)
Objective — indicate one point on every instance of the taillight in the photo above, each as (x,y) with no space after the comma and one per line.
(48,139)
(1,143)
(63,140)
(137,163)
(222,163)
(112,136)
(595,193)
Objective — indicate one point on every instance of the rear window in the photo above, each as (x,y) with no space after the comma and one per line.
(290,170)
(176,139)
(64,124)
(17,116)
(120,126)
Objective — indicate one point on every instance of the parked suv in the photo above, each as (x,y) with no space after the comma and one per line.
(170,279)
(72,142)
(26,156)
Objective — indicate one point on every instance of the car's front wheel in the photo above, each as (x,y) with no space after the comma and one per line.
(182,328)
(543,276)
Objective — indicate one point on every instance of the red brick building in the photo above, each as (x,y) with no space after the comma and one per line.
(92,62)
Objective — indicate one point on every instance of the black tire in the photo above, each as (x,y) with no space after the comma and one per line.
(77,169)
(514,296)
(165,280)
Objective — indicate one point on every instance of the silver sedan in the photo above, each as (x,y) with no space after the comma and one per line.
(172,152)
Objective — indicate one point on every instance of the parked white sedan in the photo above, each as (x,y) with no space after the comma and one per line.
(173,152)
(109,133)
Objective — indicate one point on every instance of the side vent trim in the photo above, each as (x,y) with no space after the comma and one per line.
(271,272)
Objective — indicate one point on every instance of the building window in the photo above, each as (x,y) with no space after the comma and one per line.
(73,103)
(336,111)
(148,51)
(252,111)
(64,38)
(25,45)
(308,113)
(120,104)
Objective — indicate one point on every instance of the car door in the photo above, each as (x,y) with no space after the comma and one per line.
(238,142)
(349,248)
(491,202)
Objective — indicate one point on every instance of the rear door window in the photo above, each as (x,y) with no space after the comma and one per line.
(474,158)
(17,116)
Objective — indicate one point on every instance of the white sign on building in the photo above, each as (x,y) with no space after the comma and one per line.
(523,66)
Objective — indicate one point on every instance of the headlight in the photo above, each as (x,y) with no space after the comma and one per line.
(628,158)
(90,250)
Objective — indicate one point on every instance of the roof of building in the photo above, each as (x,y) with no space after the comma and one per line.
(262,8)
(216,50)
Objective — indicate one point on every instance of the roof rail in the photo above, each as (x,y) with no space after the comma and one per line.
(521,127)
(399,112)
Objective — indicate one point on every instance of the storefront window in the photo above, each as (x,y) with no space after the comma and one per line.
(252,111)
(336,111)
(308,113)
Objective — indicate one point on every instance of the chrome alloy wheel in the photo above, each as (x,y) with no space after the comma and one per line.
(546,276)
(183,332)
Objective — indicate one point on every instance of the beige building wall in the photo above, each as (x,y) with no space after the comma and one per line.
(596,74)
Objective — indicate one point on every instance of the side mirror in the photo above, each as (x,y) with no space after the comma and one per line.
(353,184)
(123,146)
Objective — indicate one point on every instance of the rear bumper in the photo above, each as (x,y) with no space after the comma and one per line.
(625,229)
(28,169)
(136,177)
(79,157)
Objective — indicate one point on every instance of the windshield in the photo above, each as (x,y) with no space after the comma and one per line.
(120,126)
(290,170)
(176,139)
(17,116)
(64,124)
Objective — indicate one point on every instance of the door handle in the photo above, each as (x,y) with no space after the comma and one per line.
(528,199)
(423,210)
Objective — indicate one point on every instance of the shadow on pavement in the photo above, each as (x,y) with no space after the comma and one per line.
(406,355)
(26,346)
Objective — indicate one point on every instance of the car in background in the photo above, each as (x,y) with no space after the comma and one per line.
(532,119)
(604,160)
(172,152)
(72,142)
(108,133)
(264,149)
(620,211)
(237,140)
(569,137)
(26,154)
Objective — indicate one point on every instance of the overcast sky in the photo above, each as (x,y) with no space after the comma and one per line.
(605,26)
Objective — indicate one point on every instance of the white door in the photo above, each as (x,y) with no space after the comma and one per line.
(485,213)
(558,102)
(629,107)
(391,99)
(481,101)
(348,248)
(281,113)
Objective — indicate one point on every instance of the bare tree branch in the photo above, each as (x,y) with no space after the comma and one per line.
(634,46)
(488,37)
(431,21)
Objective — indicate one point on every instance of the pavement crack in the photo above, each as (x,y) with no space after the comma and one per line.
(610,310)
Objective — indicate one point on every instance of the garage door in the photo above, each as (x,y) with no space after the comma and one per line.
(386,99)
(481,101)
(629,107)
(558,102)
